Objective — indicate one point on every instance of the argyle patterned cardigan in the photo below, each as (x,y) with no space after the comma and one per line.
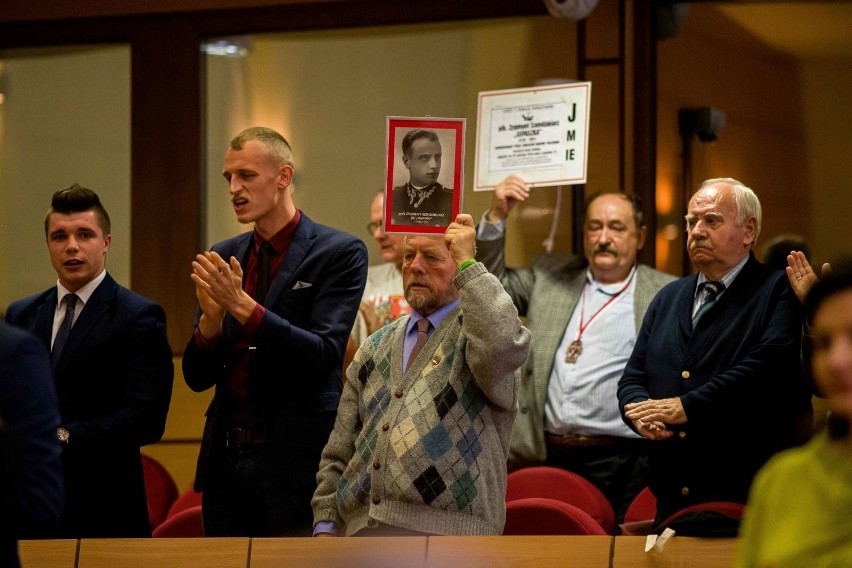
(426,450)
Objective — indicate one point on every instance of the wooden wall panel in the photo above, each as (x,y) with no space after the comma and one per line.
(166,143)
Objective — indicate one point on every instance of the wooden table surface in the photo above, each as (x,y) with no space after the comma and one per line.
(48,553)
(355,552)
(518,551)
(678,552)
(163,552)
(379,552)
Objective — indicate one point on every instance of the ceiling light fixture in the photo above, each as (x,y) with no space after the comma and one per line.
(234,46)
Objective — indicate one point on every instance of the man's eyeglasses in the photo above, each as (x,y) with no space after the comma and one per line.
(371,227)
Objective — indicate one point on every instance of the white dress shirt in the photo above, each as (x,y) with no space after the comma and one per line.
(581,396)
(83,295)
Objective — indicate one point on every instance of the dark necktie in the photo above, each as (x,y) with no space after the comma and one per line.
(712,290)
(422,338)
(65,328)
(263,271)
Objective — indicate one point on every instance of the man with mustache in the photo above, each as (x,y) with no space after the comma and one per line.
(584,313)
(715,380)
(423,427)
(422,200)
(276,305)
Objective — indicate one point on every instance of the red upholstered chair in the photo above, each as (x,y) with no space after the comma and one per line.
(542,516)
(561,485)
(187,499)
(184,524)
(639,517)
(642,508)
(160,489)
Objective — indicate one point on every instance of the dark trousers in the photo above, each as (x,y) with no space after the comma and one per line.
(262,490)
(254,491)
(265,489)
(620,471)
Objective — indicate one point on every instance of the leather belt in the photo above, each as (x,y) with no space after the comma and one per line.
(575,441)
(238,437)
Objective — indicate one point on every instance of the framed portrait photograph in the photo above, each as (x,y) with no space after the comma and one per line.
(424,179)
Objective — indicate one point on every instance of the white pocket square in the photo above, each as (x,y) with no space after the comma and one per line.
(299,285)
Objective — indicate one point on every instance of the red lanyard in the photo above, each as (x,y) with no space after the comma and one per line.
(583,326)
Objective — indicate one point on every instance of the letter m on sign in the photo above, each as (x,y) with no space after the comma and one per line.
(571,135)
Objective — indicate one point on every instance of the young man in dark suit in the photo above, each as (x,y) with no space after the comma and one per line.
(113,370)
(276,306)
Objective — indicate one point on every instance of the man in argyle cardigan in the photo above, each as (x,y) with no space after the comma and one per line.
(423,451)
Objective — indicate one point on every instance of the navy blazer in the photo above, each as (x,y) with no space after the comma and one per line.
(738,376)
(30,467)
(295,376)
(114,383)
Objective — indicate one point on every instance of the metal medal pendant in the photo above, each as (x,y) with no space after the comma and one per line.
(574,351)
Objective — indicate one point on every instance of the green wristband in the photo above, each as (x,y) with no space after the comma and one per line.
(466,263)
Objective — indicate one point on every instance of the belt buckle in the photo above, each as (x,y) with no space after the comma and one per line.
(579,440)
(574,440)
(239,437)
(236,437)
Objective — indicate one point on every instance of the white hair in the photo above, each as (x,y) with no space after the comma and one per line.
(748,205)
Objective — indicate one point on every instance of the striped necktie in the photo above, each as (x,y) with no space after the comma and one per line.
(711,291)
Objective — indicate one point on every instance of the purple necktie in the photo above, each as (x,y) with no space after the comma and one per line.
(422,337)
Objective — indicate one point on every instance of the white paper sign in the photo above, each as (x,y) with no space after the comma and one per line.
(540,134)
